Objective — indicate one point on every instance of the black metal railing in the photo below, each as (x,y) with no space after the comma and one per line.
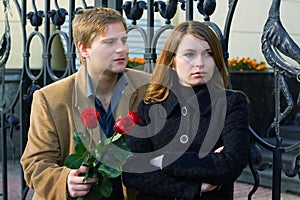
(36,19)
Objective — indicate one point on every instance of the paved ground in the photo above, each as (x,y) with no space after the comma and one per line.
(240,193)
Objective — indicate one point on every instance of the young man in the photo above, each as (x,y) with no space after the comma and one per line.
(103,83)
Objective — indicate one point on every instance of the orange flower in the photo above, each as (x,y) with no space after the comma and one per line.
(135,62)
(140,61)
(245,64)
(130,59)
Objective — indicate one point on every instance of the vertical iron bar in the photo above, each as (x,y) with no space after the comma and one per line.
(4,143)
(47,35)
(71,54)
(277,155)
(225,40)
(4,156)
(189,15)
(115,4)
(112,4)
(149,52)
(23,130)
(276,182)
(100,3)
(277,102)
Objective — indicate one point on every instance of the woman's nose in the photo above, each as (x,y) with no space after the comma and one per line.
(198,62)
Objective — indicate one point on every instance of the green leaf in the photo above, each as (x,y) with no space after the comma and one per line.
(89,162)
(74,161)
(98,151)
(77,137)
(94,193)
(116,137)
(121,142)
(80,148)
(107,141)
(109,172)
(114,156)
(93,172)
(106,187)
(81,143)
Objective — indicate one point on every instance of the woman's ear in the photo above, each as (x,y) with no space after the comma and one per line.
(82,50)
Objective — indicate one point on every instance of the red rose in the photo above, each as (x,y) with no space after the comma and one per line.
(124,125)
(90,117)
(135,118)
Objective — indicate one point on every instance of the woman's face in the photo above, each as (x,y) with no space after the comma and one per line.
(194,63)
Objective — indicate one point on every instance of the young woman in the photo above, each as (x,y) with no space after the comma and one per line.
(193,141)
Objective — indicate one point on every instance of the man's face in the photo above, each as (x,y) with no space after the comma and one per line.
(109,51)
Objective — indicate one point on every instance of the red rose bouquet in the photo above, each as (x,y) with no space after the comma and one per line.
(106,159)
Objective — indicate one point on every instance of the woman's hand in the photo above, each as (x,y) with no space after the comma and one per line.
(157,162)
(218,150)
(75,184)
(206,187)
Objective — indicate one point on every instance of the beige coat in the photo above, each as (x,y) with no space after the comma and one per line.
(55,115)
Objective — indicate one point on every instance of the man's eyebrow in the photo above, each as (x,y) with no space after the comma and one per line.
(113,38)
(110,38)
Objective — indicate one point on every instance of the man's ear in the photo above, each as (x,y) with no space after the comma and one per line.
(82,50)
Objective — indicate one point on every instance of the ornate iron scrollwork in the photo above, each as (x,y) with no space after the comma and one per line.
(167,10)
(294,172)
(206,8)
(58,16)
(134,10)
(276,41)
(36,17)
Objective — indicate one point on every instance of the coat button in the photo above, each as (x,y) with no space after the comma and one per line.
(184,111)
(184,139)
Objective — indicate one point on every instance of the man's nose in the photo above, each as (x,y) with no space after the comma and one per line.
(122,47)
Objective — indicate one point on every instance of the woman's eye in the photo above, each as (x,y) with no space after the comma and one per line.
(208,53)
(189,54)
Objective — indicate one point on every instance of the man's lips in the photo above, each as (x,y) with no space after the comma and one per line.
(119,59)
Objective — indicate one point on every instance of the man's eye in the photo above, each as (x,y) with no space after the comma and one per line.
(109,41)
(124,40)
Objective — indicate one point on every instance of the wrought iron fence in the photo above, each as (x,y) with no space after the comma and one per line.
(275,39)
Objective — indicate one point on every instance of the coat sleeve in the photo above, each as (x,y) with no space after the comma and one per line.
(41,160)
(218,168)
(139,174)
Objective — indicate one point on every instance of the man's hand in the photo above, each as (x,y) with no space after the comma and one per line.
(75,184)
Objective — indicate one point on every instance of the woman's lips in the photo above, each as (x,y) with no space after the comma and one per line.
(198,74)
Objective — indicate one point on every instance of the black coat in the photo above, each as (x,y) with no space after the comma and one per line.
(172,128)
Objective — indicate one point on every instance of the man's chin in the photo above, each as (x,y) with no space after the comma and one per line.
(119,69)
(115,70)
